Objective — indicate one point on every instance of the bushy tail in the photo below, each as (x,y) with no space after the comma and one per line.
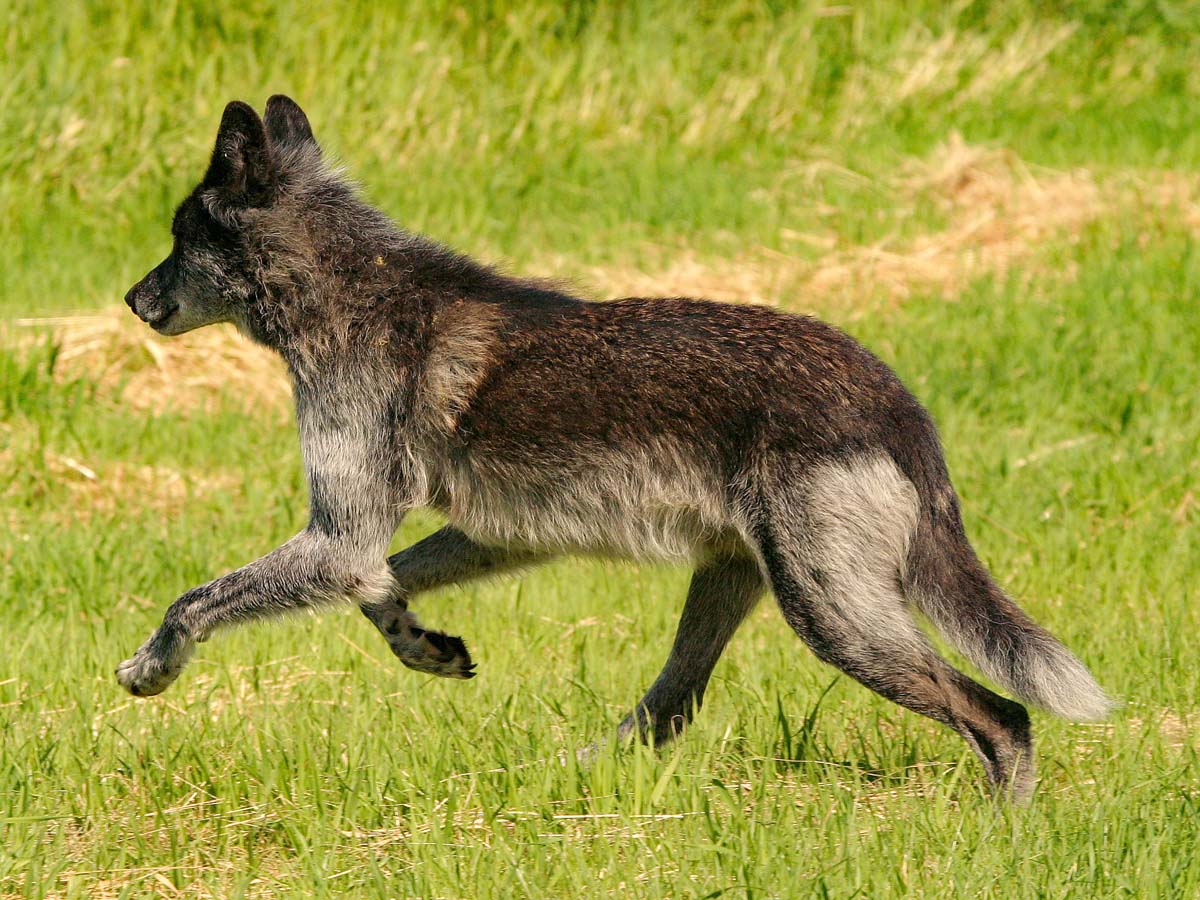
(946,581)
(951,586)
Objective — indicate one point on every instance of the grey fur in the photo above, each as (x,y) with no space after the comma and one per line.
(1028,662)
(768,450)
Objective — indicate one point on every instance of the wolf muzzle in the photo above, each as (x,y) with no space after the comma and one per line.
(146,297)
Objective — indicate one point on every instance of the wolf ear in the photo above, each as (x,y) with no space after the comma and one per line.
(242,173)
(287,125)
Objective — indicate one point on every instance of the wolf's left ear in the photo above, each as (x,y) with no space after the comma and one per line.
(287,125)
(242,174)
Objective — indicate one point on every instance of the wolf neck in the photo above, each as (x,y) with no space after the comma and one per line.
(363,295)
(327,265)
(337,276)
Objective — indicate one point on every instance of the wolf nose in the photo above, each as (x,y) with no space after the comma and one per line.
(130,296)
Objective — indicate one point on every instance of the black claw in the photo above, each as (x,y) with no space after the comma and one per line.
(416,632)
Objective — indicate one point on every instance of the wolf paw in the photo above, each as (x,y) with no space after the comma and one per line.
(156,664)
(422,650)
(435,652)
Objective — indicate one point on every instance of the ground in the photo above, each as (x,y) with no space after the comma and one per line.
(1003,205)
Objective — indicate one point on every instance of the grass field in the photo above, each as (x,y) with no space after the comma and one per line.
(1003,205)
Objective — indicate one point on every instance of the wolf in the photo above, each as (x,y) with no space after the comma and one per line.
(772,452)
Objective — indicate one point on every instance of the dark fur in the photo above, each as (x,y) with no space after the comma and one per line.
(772,450)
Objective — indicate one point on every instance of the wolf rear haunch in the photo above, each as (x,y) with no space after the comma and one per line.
(771,450)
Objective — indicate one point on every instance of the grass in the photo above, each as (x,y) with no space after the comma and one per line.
(1002,204)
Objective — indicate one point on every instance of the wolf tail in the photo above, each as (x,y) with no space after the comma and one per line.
(952,587)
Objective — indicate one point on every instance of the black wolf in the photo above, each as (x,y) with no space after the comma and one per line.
(770,450)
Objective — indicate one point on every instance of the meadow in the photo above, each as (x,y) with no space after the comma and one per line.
(1002,201)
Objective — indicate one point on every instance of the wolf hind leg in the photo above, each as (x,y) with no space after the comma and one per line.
(445,557)
(721,594)
(834,550)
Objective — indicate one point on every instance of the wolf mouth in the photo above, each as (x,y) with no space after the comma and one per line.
(161,320)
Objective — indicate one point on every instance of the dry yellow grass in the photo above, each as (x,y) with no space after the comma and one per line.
(105,487)
(109,487)
(204,369)
(999,211)
(1178,730)
(958,66)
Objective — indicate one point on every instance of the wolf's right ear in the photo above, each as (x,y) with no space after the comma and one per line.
(287,125)
(243,171)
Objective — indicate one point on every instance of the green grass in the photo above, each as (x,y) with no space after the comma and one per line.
(301,760)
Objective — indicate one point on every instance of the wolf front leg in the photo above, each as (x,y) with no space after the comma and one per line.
(445,557)
(310,569)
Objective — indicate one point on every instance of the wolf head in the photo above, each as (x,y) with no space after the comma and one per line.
(241,215)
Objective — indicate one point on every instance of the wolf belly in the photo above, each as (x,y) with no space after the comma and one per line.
(627,505)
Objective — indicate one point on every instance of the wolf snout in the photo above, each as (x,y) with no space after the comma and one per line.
(131,299)
(146,304)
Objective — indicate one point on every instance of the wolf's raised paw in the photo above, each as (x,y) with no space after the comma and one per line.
(422,650)
(145,675)
(156,664)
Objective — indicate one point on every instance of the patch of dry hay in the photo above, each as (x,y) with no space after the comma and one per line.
(959,67)
(204,369)
(999,212)
(106,488)
(160,488)
(1178,731)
